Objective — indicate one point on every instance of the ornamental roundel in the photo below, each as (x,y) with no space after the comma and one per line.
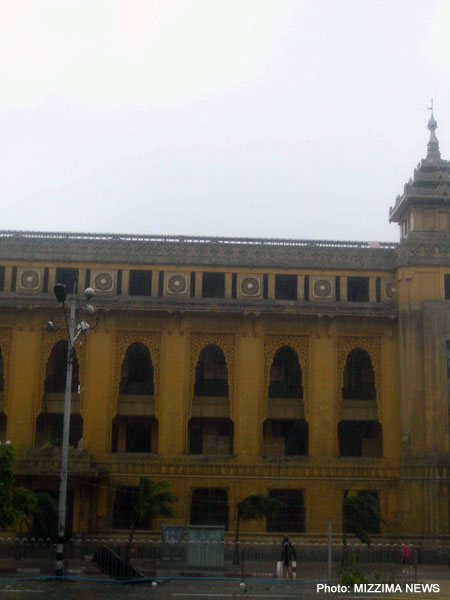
(390,289)
(29,280)
(250,286)
(176,284)
(103,282)
(322,288)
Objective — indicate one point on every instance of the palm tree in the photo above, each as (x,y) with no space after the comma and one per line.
(255,506)
(360,515)
(153,499)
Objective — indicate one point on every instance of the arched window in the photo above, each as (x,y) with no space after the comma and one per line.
(55,376)
(359,377)
(137,371)
(211,373)
(285,375)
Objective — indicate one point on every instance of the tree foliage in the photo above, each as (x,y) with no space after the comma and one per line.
(251,508)
(15,503)
(153,499)
(361,515)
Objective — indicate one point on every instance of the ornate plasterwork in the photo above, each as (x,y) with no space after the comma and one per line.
(226,342)
(124,339)
(299,343)
(372,345)
(47,341)
(5,347)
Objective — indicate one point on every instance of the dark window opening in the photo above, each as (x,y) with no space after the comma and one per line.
(359,377)
(2,279)
(306,287)
(137,371)
(140,283)
(291,516)
(45,281)
(338,288)
(119,282)
(87,282)
(286,287)
(211,373)
(3,423)
(210,436)
(285,375)
(68,277)
(13,279)
(233,285)
(209,506)
(447,286)
(134,434)
(124,501)
(378,289)
(360,438)
(294,432)
(358,289)
(213,285)
(161,283)
(265,287)
(370,522)
(192,285)
(49,430)
(55,378)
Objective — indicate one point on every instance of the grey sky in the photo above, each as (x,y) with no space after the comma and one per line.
(281,118)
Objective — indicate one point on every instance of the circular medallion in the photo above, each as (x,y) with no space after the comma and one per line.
(29,280)
(103,282)
(391,289)
(250,286)
(322,288)
(176,284)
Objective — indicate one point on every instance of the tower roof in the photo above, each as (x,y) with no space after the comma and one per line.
(430,185)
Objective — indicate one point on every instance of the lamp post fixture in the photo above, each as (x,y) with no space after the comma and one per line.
(74,330)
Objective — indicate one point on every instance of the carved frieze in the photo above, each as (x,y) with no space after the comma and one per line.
(299,343)
(124,339)
(372,345)
(226,342)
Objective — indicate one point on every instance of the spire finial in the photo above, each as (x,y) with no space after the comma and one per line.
(433,143)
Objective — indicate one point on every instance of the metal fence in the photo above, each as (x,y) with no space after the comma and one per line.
(157,559)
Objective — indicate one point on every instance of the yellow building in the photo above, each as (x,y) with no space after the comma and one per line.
(298,369)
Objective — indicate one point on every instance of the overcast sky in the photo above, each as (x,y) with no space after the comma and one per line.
(279,118)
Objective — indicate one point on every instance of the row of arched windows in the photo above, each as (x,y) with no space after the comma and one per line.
(211,373)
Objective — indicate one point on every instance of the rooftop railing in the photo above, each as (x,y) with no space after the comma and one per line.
(192,239)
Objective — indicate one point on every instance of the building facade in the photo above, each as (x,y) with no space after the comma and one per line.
(298,369)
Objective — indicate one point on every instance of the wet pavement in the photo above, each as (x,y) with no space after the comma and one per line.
(173,590)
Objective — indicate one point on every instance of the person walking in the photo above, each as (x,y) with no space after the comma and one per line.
(288,554)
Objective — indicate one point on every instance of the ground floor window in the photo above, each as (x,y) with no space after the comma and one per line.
(363,514)
(291,516)
(124,502)
(209,506)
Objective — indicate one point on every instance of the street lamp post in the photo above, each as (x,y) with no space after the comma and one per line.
(74,330)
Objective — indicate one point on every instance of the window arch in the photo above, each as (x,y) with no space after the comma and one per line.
(359,376)
(211,373)
(285,375)
(56,370)
(137,373)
